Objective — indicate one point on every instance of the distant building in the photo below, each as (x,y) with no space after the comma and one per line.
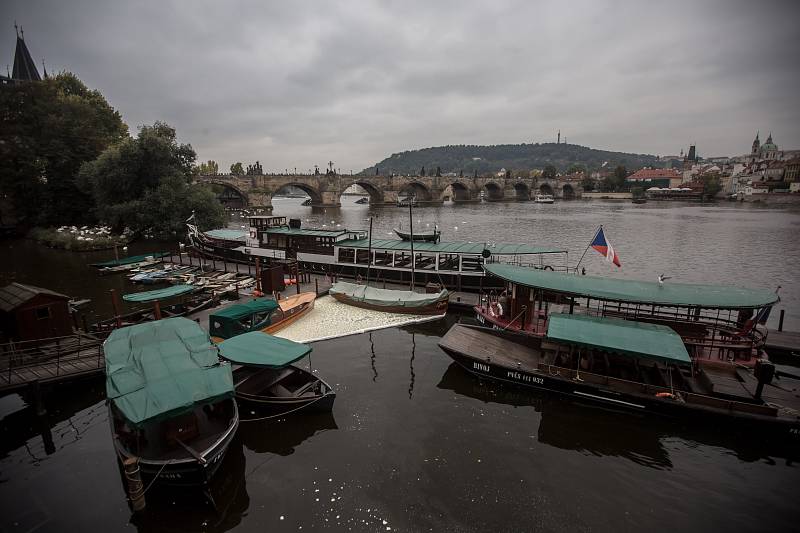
(24,67)
(656,177)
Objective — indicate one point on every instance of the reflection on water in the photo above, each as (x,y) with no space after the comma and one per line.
(283,435)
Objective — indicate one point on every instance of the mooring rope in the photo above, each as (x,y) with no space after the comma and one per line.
(524,308)
(283,414)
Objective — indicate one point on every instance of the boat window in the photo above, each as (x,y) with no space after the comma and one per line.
(346,255)
(426,261)
(362,257)
(402,260)
(448,262)
(471,264)
(383,258)
(42,313)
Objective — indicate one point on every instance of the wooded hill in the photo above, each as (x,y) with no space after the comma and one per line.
(484,159)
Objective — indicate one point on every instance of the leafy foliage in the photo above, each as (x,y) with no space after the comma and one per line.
(711,184)
(237,169)
(485,159)
(48,129)
(549,172)
(209,168)
(144,183)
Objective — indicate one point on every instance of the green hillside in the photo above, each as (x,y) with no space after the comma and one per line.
(484,159)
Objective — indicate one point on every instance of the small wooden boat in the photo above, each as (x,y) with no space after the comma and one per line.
(170,401)
(389,300)
(628,365)
(423,236)
(268,381)
(260,314)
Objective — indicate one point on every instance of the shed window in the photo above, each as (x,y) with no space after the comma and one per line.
(42,313)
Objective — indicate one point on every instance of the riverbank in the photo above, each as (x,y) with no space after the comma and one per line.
(83,239)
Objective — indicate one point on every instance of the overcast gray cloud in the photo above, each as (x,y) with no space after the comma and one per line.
(294,84)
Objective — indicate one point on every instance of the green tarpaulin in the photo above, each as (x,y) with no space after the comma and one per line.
(260,349)
(241,318)
(158,294)
(467,248)
(650,341)
(163,368)
(626,290)
(130,260)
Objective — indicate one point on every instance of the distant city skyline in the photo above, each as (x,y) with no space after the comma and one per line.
(299,85)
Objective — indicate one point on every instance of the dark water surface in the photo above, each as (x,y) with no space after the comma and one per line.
(416,444)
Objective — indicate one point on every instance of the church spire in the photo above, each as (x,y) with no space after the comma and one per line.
(24,67)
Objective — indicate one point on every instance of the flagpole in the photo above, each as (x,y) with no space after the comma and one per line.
(587,248)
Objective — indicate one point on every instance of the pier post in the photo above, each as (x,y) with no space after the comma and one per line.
(134,481)
(316,286)
(157,310)
(115,304)
(780,320)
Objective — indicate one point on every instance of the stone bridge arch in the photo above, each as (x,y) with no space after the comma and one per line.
(522,191)
(462,192)
(375,190)
(547,188)
(227,185)
(420,191)
(316,197)
(568,192)
(493,192)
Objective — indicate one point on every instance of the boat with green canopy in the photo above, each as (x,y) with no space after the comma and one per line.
(389,300)
(716,322)
(130,260)
(627,364)
(170,400)
(158,294)
(259,314)
(268,380)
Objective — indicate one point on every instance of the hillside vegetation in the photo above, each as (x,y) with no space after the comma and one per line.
(484,159)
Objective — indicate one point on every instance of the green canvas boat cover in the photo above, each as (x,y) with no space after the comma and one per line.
(260,349)
(232,320)
(227,234)
(158,294)
(130,260)
(387,297)
(638,339)
(160,369)
(645,292)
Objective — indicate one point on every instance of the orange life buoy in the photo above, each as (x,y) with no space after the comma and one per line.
(665,395)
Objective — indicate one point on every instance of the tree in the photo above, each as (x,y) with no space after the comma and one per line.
(237,169)
(209,168)
(588,183)
(144,183)
(48,129)
(576,168)
(549,172)
(711,184)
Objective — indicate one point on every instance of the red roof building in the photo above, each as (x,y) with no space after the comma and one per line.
(657,174)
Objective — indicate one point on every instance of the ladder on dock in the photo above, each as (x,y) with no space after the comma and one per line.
(49,361)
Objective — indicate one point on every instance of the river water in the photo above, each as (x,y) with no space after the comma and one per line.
(416,444)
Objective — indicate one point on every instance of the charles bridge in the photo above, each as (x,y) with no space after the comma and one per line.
(325,189)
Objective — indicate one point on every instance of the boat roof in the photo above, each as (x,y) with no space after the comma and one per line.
(307,232)
(227,234)
(160,369)
(261,349)
(469,248)
(243,310)
(158,294)
(638,339)
(634,291)
(129,260)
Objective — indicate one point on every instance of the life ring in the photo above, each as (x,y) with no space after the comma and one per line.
(665,395)
(495,309)
(257,293)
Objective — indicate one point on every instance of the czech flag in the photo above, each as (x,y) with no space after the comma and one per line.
(604,247)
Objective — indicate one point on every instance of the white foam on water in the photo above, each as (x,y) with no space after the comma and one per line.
(331,319)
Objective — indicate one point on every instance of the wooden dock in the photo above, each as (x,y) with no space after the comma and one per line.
(783,343)
(54,361)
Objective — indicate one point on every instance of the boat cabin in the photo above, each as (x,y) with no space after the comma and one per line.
(715,322)
(241,318)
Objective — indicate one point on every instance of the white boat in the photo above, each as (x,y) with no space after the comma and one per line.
(544,199)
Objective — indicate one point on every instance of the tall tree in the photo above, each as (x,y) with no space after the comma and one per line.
(237,169)
(549,172)
(48,129)
(209,168)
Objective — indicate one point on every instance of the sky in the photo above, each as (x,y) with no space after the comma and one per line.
(294,84)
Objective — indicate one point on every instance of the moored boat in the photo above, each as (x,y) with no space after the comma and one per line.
(390,301)
(629,365)
(268,381)
(170,400)
(260,314)
(716,322)
(544,199)
(423,236)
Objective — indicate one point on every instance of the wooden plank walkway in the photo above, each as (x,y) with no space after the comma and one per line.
(19,371)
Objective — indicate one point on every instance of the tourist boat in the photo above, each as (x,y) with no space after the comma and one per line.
(390,300)
(624,364)
(544,199)
(260,314)
(423,236)
(170,401)
(268,381)
(716,322)
(346,253)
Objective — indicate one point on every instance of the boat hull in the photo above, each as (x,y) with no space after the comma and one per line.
(184,472)
(568,385)
(439,307)
(260,403)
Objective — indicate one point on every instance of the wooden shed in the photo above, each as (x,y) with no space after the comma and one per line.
(32,313)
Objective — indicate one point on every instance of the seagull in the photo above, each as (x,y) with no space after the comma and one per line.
(662,278)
